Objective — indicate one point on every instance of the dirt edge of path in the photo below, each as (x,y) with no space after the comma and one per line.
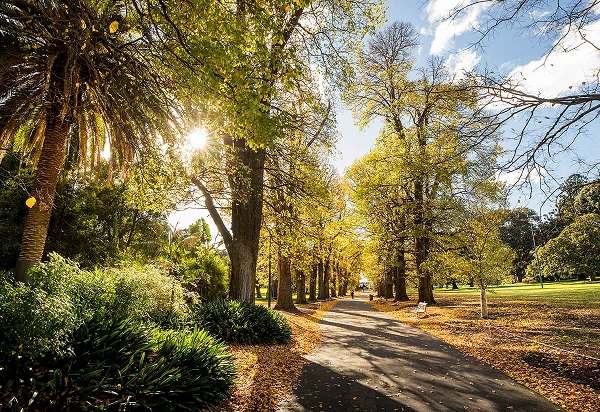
(267,374)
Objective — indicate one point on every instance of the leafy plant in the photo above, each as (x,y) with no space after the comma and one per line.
(241,322)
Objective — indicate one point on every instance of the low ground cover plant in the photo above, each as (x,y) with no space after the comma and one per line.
(243,323)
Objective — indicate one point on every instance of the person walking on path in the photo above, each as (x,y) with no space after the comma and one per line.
(352,294)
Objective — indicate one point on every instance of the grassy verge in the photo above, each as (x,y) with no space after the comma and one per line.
(546,339)
(267,373)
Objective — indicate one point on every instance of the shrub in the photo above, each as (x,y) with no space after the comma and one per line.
(164,369)
(125,364)
(239,322)
(34,323)
(39,318)
(128,291)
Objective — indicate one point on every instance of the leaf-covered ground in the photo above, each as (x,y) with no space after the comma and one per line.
(551,347)
(267,373)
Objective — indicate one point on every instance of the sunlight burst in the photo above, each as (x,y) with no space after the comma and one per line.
(197,139)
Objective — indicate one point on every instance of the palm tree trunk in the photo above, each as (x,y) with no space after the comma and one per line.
(50,164)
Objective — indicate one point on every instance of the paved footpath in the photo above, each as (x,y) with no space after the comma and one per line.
(369,361)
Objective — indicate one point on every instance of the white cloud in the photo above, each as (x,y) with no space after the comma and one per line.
(446,29)
(463,61)
(568,66)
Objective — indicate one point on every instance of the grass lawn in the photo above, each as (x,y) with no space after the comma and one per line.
(572,293)
(547,339)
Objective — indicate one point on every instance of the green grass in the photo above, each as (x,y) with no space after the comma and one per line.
(567,292)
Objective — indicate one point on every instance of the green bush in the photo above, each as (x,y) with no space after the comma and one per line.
(34,323)
(77,339)
(129,291)
(127,365)
(164,369)
(239,322)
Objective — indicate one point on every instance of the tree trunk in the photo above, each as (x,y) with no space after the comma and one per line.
(301,287)
(454,285)
(284,284)
(321,277)
(400,278)
(388,288)
(334,279)
(50,164)
(422,240)
(326,278)
(484,305)
(341,278)
(425,284)
(246,216)
(258,294)
(312,288)
(345,288)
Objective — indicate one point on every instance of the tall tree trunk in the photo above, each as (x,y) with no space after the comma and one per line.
(312,288)
(425,284)
(326,278)
(388,287)
(321,277)
(246,216)
(345,288)
(284,284)
(300,287)
(50,164)
(400,278)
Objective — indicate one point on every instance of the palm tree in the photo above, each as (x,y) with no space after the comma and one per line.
(76,76)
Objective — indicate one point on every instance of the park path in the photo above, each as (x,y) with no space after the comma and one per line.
(368,361)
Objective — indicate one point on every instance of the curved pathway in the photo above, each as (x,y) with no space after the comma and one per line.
(368,361)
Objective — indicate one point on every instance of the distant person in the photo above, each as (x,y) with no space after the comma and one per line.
(352,294)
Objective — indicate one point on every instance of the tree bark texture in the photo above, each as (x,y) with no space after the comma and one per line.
(246,217)
(312,288)
(284,284)
(300,287)
(50,164)
(400,278)
(321,277)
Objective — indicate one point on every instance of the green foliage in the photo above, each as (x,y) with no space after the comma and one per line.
(205,273)
(517,232)
(40,318)
(241,322)
(124,362)
(94,223)
(190,369)
(574,252)
(77,337)
(34,322)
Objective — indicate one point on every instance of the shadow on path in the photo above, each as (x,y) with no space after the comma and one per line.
(368,361)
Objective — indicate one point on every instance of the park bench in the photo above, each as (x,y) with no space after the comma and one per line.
(421,308)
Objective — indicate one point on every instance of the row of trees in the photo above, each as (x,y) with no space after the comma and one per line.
(428,165)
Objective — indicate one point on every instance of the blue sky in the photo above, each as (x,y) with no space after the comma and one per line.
(511,51)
